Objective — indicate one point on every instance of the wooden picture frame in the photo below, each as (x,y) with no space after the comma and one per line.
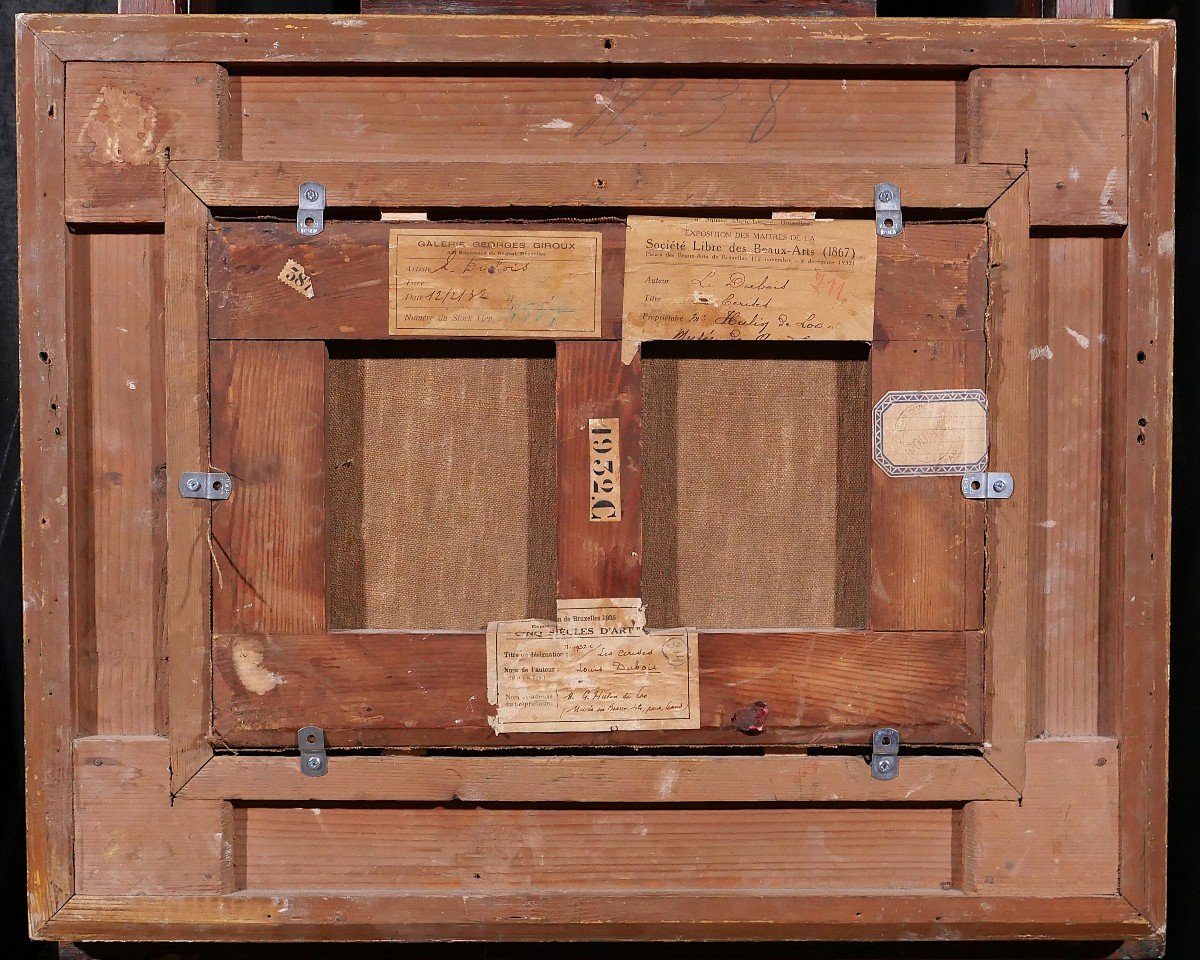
(1032,803)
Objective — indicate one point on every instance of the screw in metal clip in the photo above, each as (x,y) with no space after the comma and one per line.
(999,486)
(193,484)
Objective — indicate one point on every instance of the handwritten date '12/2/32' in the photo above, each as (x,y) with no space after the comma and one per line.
(690,279)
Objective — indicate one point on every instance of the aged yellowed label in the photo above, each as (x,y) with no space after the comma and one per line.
(594,674)
(479,283)
(293,275)
(923,433)
(602,618)
(604,469)
(691,279)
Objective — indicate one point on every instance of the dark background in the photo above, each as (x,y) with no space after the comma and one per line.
(1184,871)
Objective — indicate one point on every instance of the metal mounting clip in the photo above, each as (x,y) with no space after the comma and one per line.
(313,762)
(885,753)
(205,486)
(889,218)
(987,486)
(310,214)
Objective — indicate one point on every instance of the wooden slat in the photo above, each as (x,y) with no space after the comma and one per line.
(598,558)
(931,283)
(635,850)
(931,280)
(124,122)
(647,780)
(348,265)
(1143,541)
(1055,842)
(377,688)
(691,8)
(174,848)
(268,423)
(538,916)
(1071,127)
(926,538)
(189,572)
(601,40)
(45,478)
(1067,377)
(117,293)
(1009,585)
(823,119)
(422,184)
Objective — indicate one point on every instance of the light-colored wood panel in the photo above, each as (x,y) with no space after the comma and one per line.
(1066,370)
(189,569)
(418,183)
(748,119)
(130,838)
(46,477)
(428,689)
(117,279)
(926,568)
(125,122)
(268,421)
(603,41)
(477,849)
(1069,126)
(1061,839)
(646,780)
(1008,581)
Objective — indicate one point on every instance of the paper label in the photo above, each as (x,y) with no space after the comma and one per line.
(481,283)
(601,618)
(597,671)
(931,432)
(691,279)
(604,469)
(293,275)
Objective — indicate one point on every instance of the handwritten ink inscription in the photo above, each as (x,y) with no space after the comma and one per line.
(604,469)
(543,679)
(494,283)
(748,280)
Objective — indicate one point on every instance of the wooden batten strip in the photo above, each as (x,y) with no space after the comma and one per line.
(926,538)
(1007,603)
(541,916)
(189,569)
(1143,459)
(268,422)
(46,495)
(933,277)
(600,41)
(379,688)
(647,780)
(441,183)
(598,558)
